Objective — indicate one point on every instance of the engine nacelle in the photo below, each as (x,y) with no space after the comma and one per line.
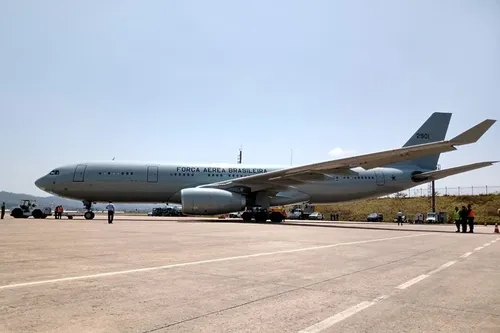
(211,201)
(417,180)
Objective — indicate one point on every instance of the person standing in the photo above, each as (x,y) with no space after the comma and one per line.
(456,217)
(111,212)
(400,217)
(463,218)
(470,218)
(3,210)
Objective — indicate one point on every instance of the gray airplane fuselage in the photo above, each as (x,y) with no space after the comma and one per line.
(141,182)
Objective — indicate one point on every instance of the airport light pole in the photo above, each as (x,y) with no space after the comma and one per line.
(434,192)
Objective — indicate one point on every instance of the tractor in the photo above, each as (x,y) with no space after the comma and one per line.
(29,208)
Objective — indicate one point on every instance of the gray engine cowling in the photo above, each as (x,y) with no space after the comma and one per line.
(211,201)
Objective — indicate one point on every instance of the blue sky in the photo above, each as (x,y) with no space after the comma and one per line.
(191,81)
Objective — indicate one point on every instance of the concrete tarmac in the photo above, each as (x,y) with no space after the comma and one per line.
(144,274)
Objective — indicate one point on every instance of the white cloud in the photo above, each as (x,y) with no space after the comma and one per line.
(339,152)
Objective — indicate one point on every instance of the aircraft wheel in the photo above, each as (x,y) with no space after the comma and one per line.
(276,217)
(89,215)
(261,217)
(246,216)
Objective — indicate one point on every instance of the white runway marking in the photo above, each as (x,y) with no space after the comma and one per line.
(478,248)
(328,322)
(146,269)
(440,268)
(322,325)
(412,281)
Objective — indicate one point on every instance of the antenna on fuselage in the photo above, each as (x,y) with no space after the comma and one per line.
(240,155)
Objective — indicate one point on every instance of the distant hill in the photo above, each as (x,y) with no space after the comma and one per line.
(13,200)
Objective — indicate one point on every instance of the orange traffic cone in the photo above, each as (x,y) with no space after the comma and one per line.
(496,229)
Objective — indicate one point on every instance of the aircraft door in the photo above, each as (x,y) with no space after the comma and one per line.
(79,175)
(379,178)
(152,174)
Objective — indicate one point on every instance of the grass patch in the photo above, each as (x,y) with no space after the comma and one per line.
(485,206)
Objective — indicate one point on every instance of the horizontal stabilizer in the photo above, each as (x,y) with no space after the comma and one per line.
(473,134)
(438,174)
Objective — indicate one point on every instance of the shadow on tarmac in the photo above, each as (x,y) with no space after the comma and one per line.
(359,225)
(319,224)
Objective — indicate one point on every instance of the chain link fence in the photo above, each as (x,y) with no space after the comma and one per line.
(444,191)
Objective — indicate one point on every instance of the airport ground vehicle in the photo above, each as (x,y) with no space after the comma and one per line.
(431,218)
(375,217)
(315,216)
(301,212)
(29,208)
(234,215)
(166,211)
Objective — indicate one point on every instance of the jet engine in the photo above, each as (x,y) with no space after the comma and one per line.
(416,179)
(211,201)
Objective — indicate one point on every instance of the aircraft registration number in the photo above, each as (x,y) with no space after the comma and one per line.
(423,136)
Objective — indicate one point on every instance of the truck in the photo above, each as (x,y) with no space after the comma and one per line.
(29,208)
(301,211)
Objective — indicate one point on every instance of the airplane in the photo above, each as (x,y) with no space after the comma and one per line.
(212,189)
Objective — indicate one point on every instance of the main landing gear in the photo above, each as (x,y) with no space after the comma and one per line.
(89,214)
(262,215)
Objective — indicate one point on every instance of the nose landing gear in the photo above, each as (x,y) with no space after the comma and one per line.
(89,214)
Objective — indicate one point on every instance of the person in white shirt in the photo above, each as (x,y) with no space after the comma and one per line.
(111,212)
(400,217)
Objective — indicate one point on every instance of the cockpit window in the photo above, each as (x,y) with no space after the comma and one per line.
(54,172)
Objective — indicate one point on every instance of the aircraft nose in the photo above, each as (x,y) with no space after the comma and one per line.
(41,183)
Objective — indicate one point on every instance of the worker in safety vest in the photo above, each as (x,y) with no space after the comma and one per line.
(470,218)
(456,217)
(463,218)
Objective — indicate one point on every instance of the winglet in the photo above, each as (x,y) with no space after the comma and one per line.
(473,134)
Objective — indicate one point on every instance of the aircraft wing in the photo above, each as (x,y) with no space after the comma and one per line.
(283,178)
(438,174)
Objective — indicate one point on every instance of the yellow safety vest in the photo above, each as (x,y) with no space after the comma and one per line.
(456,215)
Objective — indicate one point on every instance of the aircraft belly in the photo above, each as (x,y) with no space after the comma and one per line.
(119,192)
(332,192)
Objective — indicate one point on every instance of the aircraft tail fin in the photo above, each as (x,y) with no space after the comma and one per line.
(439,174)
(432,130)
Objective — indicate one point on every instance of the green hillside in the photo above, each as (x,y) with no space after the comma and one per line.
(485,206)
